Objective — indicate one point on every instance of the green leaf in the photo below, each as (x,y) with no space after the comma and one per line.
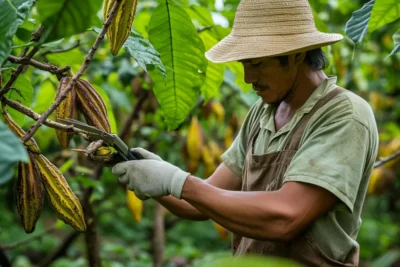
(251,261)
(12,14)
(383,12)
(44,97)
(12,151)
(174,36)
(388,259)
(215,72)
(25,95)
(396,40)
(143,52)
(357,26)
(72,58)
(200,15)
(66,17)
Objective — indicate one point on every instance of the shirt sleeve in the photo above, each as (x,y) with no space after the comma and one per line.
(235,155)
(333,157)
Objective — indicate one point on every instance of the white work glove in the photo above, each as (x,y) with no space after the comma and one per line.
(150,178)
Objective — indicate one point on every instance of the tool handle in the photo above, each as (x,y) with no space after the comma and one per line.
(133,155)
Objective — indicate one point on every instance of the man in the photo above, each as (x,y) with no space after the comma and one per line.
(294,181)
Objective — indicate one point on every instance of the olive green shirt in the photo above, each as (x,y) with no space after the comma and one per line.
(337,152)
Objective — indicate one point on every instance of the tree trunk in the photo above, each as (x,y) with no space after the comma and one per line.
(159,235)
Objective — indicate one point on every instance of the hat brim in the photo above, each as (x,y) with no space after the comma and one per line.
(233,48)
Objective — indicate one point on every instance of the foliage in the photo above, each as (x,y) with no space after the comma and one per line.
(154,88)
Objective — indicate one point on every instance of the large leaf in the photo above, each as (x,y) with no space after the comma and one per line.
(174,36)
(357,26)
(143,52)
(384,12)
(12,151)
(24,95)
(64,18)
(396,39)
(215,72)
(12,14)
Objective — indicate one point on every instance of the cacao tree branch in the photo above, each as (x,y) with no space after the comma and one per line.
(72,82)
(35,37)
(77,44)
(35,116)
(28,240)
(43,66)
(60,251)
(387,159)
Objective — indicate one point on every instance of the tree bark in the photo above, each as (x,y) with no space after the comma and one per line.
(91,235)
(159,236)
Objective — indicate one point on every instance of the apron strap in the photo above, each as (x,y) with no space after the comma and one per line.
(296,134)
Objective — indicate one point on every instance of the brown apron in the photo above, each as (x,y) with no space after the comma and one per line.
(266,173)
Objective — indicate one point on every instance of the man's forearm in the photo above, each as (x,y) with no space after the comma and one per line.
(255,215)
(181,208)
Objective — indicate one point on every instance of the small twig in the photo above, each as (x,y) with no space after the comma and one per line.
(43,66)
(4,261)
(72,82)
(387,159)
(134,115)
(78,43)
(61,250)
(35,37)
(28,240)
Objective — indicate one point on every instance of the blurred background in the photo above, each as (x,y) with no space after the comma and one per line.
(132,233)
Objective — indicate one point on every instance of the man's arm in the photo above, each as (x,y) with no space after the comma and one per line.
(222,178)
(278,215)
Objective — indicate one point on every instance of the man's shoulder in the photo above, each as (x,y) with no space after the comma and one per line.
(359,109)
(349,106)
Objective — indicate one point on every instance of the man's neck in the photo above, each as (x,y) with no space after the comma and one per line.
(306,83)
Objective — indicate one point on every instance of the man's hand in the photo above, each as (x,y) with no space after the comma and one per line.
(150,178)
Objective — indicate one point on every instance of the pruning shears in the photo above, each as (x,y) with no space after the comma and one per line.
(110,139)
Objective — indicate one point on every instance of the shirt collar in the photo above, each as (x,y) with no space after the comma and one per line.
(267,120)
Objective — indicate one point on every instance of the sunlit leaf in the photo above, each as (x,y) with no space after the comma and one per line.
(383,12)
(143,52)
(24,95)
(12,14)
(357,26)
(174,36)
(215,72)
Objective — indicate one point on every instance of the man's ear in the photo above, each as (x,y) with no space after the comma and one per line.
(299,58)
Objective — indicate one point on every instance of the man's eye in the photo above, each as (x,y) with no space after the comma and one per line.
(256,64)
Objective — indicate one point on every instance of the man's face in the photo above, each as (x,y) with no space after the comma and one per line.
(270,80)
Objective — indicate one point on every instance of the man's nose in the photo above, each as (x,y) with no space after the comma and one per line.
(250,76)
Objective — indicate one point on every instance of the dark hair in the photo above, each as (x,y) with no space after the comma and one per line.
(315,59)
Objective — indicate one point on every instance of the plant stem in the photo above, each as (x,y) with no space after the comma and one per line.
(72,82)
(39,65)
(387,159)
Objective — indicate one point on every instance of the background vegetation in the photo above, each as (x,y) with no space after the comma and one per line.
(211,102)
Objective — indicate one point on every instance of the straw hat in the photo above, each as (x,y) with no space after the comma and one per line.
(270,28)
